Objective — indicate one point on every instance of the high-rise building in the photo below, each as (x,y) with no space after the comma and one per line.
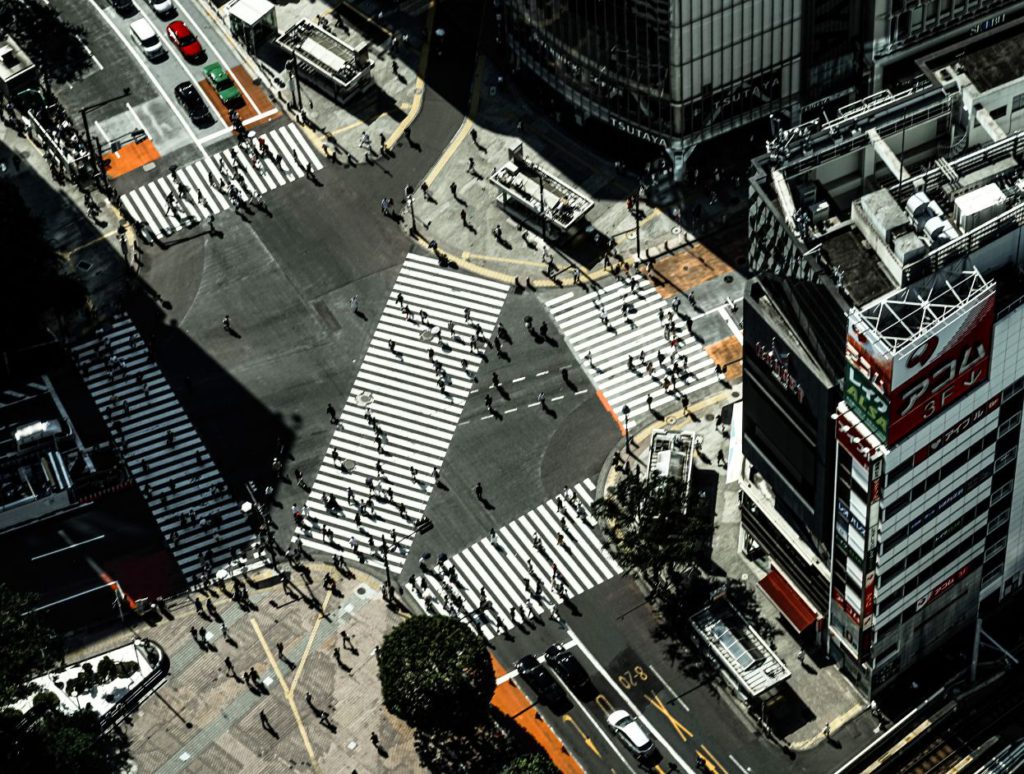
(883,382)
(675,73)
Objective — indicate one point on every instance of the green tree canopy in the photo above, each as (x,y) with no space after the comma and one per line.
(536,763)
(44,739)
(435,671)
(56,47)
(652,529)
(27,648)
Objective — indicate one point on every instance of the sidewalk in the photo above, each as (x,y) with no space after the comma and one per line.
(205,715)
(816,694)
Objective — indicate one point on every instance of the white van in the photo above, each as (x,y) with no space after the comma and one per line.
(146,37)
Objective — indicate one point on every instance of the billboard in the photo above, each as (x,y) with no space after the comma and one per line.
(941,369)
(866,400)
(895,393)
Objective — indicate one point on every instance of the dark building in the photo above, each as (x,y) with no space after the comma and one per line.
(675,73)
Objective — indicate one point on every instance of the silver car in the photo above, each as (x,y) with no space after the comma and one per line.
(631,734)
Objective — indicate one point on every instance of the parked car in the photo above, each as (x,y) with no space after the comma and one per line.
(631,734)
(539,679)
(189,97)
(124,7)
(182,37)
(163,8)
(222,83)
(567,667)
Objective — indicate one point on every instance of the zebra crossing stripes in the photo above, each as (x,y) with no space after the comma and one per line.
(270,161)
(635,319)
(492,582)
(395,427)
(201,523)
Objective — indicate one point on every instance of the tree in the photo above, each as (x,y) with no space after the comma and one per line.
(28,647)
(54,46)
(652,529)
(534,763)
(435,671)
(45,738)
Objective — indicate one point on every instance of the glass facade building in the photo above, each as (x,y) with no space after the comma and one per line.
(672,72)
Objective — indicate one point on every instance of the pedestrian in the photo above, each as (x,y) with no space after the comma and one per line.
(472,165)
(354,304)
(454,189)
(226,322)
(462,215)
(541,398)
(332,414)
(479,489)
(494,536)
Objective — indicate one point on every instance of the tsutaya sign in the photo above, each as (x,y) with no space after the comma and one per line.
(918,382)
(638,131)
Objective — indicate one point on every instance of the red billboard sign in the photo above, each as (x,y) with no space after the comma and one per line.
(945,586)
(941,369)
(918,383)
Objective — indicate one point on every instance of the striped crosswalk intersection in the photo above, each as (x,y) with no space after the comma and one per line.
(190,194)
(632,346)
(202,524)
(395,427)
(522,572)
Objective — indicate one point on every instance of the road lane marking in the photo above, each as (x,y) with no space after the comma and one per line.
(312,636)
(67,548)
(542,373)
(288,695)
(742,767)
(669,688)
(519,379)
(586,739)
(684,733)
(156,84)
(707,755)
(636,710)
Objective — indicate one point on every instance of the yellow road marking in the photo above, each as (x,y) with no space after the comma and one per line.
(499,259)
(586,739)
(684,733)
(288,695)
(421,71)
(353,125)
(90,243)
(309,642)
(706,755)
(467,124)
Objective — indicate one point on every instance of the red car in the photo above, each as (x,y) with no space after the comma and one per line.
(182,37)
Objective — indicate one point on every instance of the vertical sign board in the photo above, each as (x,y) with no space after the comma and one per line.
(866,399)
(942,368)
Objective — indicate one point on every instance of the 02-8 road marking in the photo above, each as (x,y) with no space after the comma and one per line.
(636,711)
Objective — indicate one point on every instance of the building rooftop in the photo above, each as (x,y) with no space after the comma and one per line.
(860,271)
(989,60)
(747,658)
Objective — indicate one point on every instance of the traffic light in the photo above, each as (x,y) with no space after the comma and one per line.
(424,525)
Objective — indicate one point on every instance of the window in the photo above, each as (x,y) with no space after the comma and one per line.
(998,112)
(1004,459)
(1009,424)
(1018,102)
(1002,492)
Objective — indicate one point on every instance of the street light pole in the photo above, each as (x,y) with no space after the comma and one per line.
(94,155)
(636,219)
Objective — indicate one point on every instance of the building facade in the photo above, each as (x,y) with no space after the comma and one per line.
(675,73)
(885,383)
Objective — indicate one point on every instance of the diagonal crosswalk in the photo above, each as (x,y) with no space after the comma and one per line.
(395,428)
(632,346)
(202,524)
(525,570)
(210,185)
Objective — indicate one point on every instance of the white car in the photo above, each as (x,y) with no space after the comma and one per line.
(163,8)
(631,733)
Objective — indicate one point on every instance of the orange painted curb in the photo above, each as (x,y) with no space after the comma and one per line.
(610,410)
(514,703)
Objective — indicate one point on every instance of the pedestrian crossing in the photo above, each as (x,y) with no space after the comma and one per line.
(210,185)
(524,571)
(200,521)
(400,416)
(632,345)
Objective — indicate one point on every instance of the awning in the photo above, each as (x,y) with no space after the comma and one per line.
(790,604)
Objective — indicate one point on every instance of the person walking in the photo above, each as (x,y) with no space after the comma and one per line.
(332,413)
(354,304)
(226,322)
